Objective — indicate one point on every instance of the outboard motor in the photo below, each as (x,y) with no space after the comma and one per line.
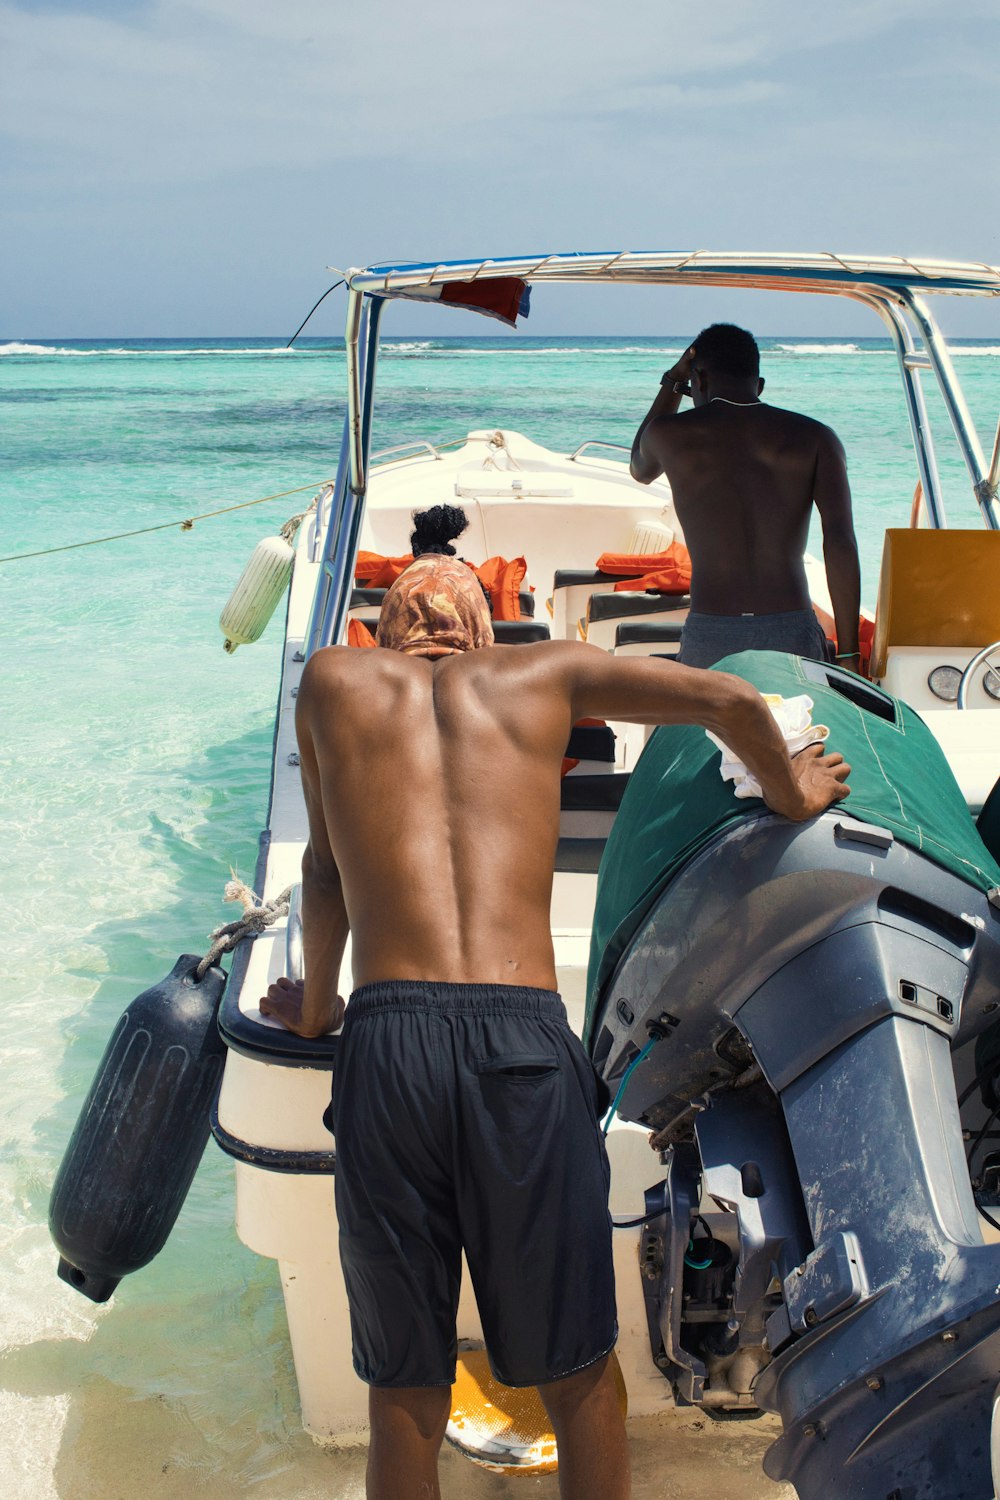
(806,995)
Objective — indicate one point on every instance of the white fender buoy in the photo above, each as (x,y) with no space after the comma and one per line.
(261,585)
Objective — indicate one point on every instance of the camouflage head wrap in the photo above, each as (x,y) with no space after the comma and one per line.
(435,608)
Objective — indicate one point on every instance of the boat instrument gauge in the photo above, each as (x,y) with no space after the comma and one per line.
(943,683)
(991,682)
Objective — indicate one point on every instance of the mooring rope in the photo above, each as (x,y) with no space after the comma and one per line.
(257,915)
(185,525)
(291,526)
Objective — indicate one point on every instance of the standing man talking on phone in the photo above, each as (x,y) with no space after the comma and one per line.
(745,477)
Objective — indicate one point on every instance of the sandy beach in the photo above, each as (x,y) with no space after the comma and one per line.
(119,1450)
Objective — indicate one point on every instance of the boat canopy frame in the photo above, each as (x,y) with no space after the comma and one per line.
(893,287)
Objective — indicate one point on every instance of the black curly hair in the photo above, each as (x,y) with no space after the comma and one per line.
(435,529)
(725,349)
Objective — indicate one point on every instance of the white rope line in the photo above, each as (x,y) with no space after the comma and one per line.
(257,915)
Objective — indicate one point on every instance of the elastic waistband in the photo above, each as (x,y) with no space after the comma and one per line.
(454,999)
(782,616)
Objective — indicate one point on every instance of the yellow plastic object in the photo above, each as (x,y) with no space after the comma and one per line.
(937,588)
(502,1427)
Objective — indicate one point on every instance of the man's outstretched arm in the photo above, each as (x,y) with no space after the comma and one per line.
(643,690)
(313,1007)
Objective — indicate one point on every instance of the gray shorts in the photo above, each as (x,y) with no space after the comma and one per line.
(706,639)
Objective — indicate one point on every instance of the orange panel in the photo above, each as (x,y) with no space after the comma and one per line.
(503,1428)
(937,588)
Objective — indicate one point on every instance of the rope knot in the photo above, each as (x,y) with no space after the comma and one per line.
(257,916)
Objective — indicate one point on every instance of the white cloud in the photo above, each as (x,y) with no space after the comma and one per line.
(184,90)
(146,144)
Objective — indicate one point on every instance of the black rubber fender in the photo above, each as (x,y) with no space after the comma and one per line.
(141,1132)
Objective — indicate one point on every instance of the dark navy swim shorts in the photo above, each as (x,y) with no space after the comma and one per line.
(467,1117)
(706,639)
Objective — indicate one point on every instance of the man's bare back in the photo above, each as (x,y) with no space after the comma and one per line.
(744,478)
(432,789)
(431,769)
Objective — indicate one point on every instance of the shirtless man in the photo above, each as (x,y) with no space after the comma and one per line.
(466,1113)
(745,477)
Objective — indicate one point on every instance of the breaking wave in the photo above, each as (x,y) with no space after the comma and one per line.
(243,352)
(822,349)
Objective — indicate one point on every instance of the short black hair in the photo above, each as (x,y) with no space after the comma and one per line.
(435,529)
(725,349)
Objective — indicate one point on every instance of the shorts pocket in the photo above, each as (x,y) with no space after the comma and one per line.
(519,1067)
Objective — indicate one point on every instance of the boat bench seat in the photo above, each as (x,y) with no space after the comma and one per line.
(593,746)
(588,807)
(363,600)
(571,589)
(648,638)
(606,611)
(506,632)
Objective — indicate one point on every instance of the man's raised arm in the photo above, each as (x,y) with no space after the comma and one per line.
(313,1007)
(645,466)
(643,690)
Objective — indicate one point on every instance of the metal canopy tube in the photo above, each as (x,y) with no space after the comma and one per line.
(916,409)
(343,577)
(352,335)
(968,438)
(884,306)
(338,559)
(314,636)
(994,475)
(820,271)
(330,585)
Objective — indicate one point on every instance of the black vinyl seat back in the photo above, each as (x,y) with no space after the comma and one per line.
(624,605)
(505,632)
(659,633)
(372,599)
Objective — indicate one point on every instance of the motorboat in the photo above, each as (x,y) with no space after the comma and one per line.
(803,1020)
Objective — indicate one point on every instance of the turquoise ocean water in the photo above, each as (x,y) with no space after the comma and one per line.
(135,760)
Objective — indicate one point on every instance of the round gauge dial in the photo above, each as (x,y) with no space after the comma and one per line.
(943,683)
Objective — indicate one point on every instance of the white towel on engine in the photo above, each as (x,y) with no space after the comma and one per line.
(793,717)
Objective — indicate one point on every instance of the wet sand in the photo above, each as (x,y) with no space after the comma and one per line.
(107,1447)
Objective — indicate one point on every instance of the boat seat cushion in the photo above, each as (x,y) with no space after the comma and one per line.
(623,606)
(591,742)
(506,632)
(366,598)
(646,632)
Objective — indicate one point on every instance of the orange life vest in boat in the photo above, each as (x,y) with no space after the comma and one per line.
(666,572)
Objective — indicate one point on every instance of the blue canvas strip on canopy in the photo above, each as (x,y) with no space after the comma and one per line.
(676,800)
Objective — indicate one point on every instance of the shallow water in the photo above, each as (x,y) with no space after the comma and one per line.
(135,760)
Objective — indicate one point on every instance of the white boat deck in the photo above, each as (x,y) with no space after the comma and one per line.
(560,514)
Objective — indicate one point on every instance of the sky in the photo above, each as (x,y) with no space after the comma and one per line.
(178,167)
